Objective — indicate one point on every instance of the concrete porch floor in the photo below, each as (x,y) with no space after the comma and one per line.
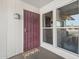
(43,54)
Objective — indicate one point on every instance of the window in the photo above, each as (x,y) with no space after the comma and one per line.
(47,20)
(48,28)
(68,27)
(68,16)
(47,36)
(68,39)
(64,26)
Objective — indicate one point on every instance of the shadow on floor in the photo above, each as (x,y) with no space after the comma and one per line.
(43,54)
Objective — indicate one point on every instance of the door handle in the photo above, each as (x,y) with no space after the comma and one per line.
(25,30)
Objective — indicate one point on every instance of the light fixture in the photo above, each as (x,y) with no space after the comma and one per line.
(17,16)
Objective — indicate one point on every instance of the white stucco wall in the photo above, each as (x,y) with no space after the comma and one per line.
(3,28)
(15,27)
(11,29)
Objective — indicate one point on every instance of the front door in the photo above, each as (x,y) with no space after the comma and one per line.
(31,30)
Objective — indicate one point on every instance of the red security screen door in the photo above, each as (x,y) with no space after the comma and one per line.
(31,30)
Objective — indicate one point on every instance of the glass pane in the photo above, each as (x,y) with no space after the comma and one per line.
(68,15)
(68,39)
(47,20)
(47,36)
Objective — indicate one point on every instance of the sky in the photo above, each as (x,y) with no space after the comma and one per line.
(73,22)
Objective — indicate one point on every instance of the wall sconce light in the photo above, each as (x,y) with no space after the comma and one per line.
(17,16)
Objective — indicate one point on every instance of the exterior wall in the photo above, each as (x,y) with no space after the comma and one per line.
(53,48)
(3,28)
(15,27)
(11,29)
